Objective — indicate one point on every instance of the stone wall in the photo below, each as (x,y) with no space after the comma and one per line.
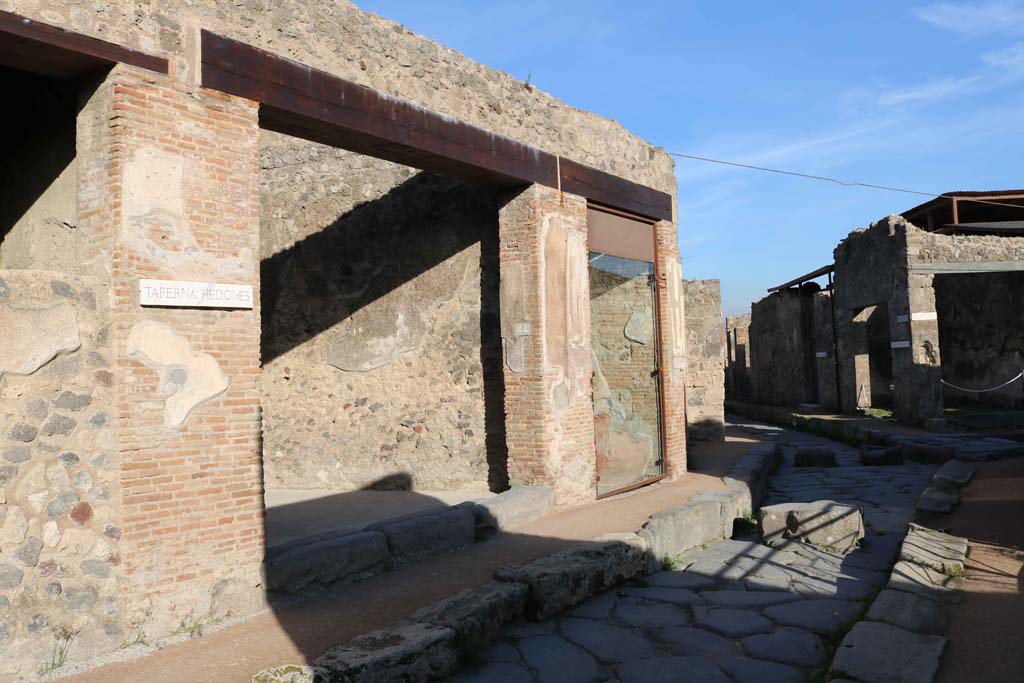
(38,175)
(705,360)
(779,348)
(61,569)
(339,38)
(981,336)
(738,383)
(824,350)
(380,345)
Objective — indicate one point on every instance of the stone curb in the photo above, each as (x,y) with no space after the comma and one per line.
(310,564)
(900,637)
(938,448)
(434,642)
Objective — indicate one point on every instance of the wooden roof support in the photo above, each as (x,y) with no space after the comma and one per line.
(29,45)
(301,101)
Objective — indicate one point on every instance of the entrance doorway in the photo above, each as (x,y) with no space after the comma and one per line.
(624,327)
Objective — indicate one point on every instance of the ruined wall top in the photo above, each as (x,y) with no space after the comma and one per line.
(341,39)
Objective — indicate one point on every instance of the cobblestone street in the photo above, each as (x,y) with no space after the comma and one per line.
(734,610)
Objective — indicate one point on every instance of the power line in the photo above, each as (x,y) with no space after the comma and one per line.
(845,183)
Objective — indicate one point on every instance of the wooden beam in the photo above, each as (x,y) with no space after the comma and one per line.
(29,45)
(966,267)
(298,100)
(824,270)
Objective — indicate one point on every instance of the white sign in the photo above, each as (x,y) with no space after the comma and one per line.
(194,294)
(900,344)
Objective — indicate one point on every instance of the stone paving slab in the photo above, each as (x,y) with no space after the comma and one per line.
(880,653)
(731,609)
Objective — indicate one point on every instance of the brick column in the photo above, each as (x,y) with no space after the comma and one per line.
(545,327)
(672,328)
(170,191)
(916,365)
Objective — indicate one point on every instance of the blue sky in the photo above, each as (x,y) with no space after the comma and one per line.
(926,96)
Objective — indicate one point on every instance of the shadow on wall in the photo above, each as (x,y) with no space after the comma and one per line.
(390,282)
(38,149)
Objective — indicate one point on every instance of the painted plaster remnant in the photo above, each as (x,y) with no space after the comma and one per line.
(377,334)
(565,299)
(186,378)
(676,313)
(156,225)
(515,326)
(34,336)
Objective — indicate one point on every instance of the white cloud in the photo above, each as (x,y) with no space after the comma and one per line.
(974,18)
(932,91)
(1012,58)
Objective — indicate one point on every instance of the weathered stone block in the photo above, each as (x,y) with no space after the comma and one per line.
(926,582)
(814,456)
(928,452)
(576,573)
(735,502)
(955,473)
(670,532)
(426,535)
(879,652)
(509,509)
(824,523)
(408,652)
(477,614)
(938,551)
(309,565)
(934,499)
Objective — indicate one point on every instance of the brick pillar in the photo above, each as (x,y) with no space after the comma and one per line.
(916,365)
(672,329)
(170,191)
(545,328)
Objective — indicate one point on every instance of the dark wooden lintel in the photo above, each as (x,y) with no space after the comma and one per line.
(298,100)
(29,45)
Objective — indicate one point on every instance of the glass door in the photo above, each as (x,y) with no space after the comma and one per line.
(627,391)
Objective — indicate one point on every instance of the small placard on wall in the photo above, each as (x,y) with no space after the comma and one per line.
(182,294)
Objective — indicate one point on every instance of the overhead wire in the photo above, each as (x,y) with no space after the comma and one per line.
(845,183)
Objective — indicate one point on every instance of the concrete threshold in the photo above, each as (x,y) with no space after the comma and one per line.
(299,632)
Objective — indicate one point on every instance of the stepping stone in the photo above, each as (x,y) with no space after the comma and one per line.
(684,640)
(879,652)
(787,646)
(670,579)
(745,670)
(499,672)
(821,616)
(675,596)
(671,670)
(644,614)
(748,598)
(730,621)
(934,499)
(556,660)
(956,473)
(956,543)
(610,643)
(881,457)
(920,580)
(823,523)
(909,611)
(814,456)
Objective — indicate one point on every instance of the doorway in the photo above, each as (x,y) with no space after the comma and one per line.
(624,332)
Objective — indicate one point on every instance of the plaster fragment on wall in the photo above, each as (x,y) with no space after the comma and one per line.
(156,225)
(187,378)
(34,336)
(514,325)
